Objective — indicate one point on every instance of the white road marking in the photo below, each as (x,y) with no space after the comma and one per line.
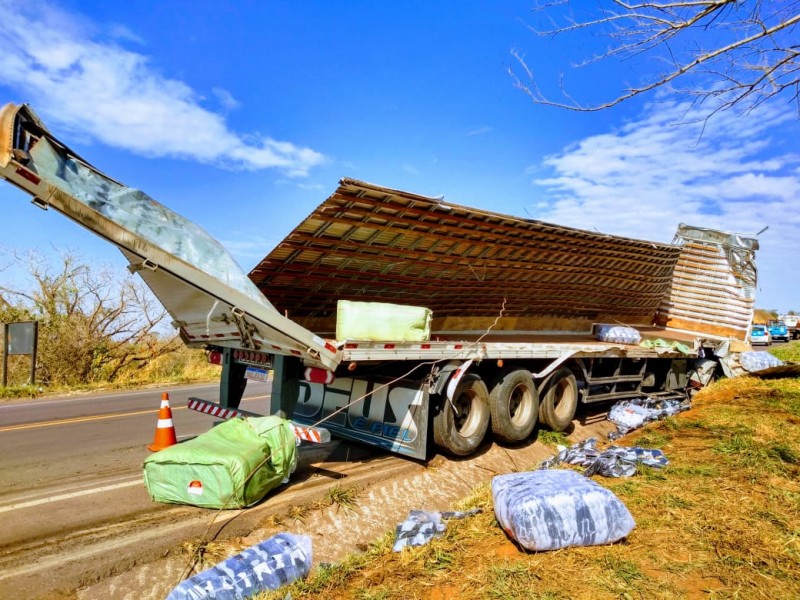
(48,499)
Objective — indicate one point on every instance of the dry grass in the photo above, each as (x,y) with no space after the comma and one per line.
(298,512)
(345,497)
(206,555)
(722,521)
(186,365)
(762,315)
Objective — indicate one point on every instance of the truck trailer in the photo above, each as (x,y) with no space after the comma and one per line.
(791,322)
(522,320)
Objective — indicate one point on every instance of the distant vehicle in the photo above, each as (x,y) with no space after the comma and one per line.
(792,324)
(778,330)
(760,335)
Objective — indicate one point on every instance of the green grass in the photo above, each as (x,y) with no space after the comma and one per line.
(344,497)
(721,521)
(787,353)
(511,580)
(652,438)
(552,438)
(21,391)
(621,576)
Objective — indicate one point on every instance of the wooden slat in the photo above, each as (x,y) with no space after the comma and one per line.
(371,243)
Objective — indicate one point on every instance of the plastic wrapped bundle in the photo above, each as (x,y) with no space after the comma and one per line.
(548,510)
(279,560)
(617,334)
(380,321)
(233,465)
(758,361)
(628,415)
(615,461)
(420,527)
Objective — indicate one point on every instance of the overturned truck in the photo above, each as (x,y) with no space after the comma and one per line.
(392,319)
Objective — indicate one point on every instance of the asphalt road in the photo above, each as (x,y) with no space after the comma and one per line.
(71,466)
(73,506)
(64,441)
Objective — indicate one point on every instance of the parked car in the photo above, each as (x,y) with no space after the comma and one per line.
(778,330)
(759,334)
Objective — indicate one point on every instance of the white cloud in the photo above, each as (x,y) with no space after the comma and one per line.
(311,187)
(119,98)
(480,131)
(248,248)
(117,31)
(650,175)
(225,98)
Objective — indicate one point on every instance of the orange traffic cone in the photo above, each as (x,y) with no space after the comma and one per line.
(165,430)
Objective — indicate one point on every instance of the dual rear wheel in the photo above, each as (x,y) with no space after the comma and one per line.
(460,425)
(514,403)
(559,400)
(512,407)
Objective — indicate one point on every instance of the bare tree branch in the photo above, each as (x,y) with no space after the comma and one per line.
(92,325)
(738,52)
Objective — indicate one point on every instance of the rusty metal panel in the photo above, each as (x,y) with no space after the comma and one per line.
(367,242)
(714,284)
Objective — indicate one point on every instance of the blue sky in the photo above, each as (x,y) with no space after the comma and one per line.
(243,116)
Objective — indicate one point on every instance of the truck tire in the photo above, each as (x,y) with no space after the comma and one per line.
(514,403)
(559,400)
(460,432)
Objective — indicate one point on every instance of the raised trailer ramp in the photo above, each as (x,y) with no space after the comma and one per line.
(208,295)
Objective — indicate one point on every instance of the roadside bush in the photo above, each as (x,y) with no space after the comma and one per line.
(94,327)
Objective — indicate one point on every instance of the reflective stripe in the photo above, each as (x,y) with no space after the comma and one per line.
(164,423)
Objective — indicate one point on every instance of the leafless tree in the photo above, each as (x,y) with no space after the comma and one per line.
(92,324)
(737,52)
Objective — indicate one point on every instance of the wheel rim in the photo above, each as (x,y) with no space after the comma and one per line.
(520,406)
(466,419)
(563,390)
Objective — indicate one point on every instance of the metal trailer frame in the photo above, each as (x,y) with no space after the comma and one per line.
(397,246)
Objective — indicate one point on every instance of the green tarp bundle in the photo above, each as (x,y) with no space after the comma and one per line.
(233,465)
(379,321)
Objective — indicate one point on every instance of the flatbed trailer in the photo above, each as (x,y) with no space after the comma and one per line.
(517,304)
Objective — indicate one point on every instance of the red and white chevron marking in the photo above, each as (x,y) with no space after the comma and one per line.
(214,410)
(309,434)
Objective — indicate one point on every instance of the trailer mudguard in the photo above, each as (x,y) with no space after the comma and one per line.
(390,414)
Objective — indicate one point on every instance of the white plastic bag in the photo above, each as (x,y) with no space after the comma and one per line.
(758,361)
(618,334)
(547,510)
